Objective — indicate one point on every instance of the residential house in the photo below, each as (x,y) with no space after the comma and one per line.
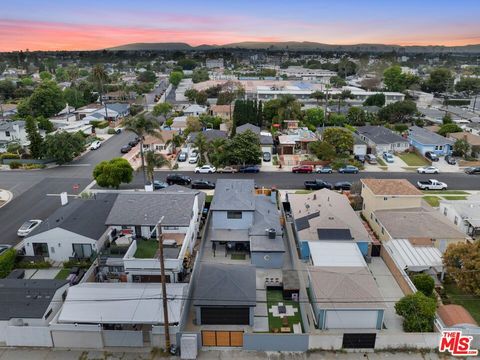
(472,139)
(380,139)
(210,135)
(7,111)
(464,214)
(242,221)
(11,132)
(28,303)
(179,124)
(360,147)
(295,142)
(343,293)
(423,140)
(75,230)
(225,294)
(177,211)
(214,63)
(326,215)
(266,139)
(394,210)
(223,111)
(111,112)
(161,146)
(194,110)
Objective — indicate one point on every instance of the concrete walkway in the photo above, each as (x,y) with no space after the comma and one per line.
(5,197)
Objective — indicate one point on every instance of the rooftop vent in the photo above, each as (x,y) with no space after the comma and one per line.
(272,233)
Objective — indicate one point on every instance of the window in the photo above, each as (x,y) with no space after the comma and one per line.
(52,249)
(385,198)
(383,230)
(170,228)
(159,147)
(445,211)
(82,251)
(455,221)
(440,147)
(234,214)
(48,314)
(7,133)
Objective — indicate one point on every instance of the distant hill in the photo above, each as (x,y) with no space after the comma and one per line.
(300,46)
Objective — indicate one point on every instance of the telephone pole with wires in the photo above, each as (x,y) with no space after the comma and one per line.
(164,285)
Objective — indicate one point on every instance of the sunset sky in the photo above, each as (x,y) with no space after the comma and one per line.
(88,24)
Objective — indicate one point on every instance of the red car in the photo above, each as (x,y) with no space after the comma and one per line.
(308,169)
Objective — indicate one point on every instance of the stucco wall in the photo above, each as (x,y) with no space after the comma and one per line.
(275,342)
(29,336)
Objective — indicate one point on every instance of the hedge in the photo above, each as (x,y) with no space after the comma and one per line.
(33,265)
(15,165)
(7,262)
(9,156)
(100,124)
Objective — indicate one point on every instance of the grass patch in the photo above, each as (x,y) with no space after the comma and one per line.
(303,192)
(146,249)
(413,159)
(238,257)
(457,197)
(381,162)
(62,274)
(208,199)
(273,298)
(432,200)
(446,192)
(469,302)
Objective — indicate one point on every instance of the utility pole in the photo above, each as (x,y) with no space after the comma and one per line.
(164,285)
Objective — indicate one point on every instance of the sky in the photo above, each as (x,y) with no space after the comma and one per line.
(98,24)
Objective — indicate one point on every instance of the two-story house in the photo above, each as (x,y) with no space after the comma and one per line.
(13,131)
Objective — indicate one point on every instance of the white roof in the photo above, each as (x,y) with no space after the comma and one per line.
(122,303)
(336,253)
(414,258)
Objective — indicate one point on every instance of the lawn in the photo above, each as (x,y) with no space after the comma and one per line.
(457,197)
(469,302)
(146,249)
(274,322)
(238,257)
(432,200)
(62,274)
(446,192)
(381,162)
(413,159)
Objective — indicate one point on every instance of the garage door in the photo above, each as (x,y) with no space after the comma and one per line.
(222,316)
(222,338)
(351,319)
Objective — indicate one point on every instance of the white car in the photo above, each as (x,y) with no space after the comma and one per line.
(95,145)
(28,227)
(427,170)
(193,159)
(205,169)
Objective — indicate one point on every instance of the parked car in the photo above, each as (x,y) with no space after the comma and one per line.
(432,184)
(306,169)
(95,145)
(388,157)
(342,185)
(249,169)
(432,156)
(348,169)
(27,227)
(193,159)
(182,157)
(178,179)
(125,149)
(118,130)
(324,169)
(134,142)
(157,184)
(227,169)
(450,160)
(360,158)
(317,184)
(4,247)
(205,169)
(473,170)
(203,184)
(427,170)
(371,159)
(267,157)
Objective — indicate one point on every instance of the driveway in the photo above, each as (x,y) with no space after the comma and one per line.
(398,165)
(443,166)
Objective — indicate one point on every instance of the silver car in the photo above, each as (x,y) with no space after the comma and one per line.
(28,227)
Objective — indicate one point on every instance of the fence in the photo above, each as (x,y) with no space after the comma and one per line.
(275,342)
(122,338)
(399,274)
(28,336)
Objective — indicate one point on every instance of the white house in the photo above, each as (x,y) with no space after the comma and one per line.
(464,214)
(195,110)
(13,131)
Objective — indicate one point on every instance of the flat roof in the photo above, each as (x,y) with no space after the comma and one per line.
(122,303)
(414,258)
(234,194)
(334,253)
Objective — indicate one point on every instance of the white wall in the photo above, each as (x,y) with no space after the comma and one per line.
(29,336)
(451,214)
(3,329)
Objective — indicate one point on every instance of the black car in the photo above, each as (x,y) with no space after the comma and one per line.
(157,185)
(360,158)
(182,157)
(342,185)
(317,184)
(202,184)
(474,170)
(125,149)
(249,169)
(450,160)
(133,143)
(178,179)
(432,156)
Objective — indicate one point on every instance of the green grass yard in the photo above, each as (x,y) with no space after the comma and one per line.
(434,200)
(446,192)
(413,159)
(469,302)
(238,256)
(146,249)
(62,274)
(457,197)
(273,298)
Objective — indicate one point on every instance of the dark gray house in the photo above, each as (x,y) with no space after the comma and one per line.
(380,139)
(225,294)
(266,138)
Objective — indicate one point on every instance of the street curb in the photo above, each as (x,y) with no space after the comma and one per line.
(9,197)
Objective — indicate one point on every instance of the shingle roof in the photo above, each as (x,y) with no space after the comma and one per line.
(26,298)
(266,216)
(426,137)
(472,139)
(83,217)
(233,194)
(118,107)
(225,285)
(209,135)
(148,208)
(453,315)
(242,128)
(379,134)
(8,125)
(391,187)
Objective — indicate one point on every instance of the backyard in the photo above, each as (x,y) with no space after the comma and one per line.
(275,323)
(146,249)
(413,159)
(469,302)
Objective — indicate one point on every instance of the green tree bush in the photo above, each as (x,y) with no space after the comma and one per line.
(112,173)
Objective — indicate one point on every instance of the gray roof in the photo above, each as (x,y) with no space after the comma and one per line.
(231,235)
(225,285)
(118,107)
(148,208)
(266,216)
(84,217)
(379,134)
(8,125)
(266,140)
(468,209)
(242,128)
(234,195)
(26,298)
(426,137)
(209,135)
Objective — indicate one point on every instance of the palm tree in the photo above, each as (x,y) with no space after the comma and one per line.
(216,151)
(100,77)
(154,160)
(176,141)
(288,107)
(345,94)
(202,146)
(318,95)
(141,126)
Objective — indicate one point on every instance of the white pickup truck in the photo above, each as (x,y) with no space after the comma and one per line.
(431,184)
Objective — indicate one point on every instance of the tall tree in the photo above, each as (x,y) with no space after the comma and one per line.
(162,109)
(100,77)
(317,95)
(201,145)
(141,126)
(112,173)
(344,95)
(462,262)
(154,161)
(289,108)
(46,100)
(243,149)
(339,138)
(63,146)
(394,79)
(440,80)
(34,137)
(175,78)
